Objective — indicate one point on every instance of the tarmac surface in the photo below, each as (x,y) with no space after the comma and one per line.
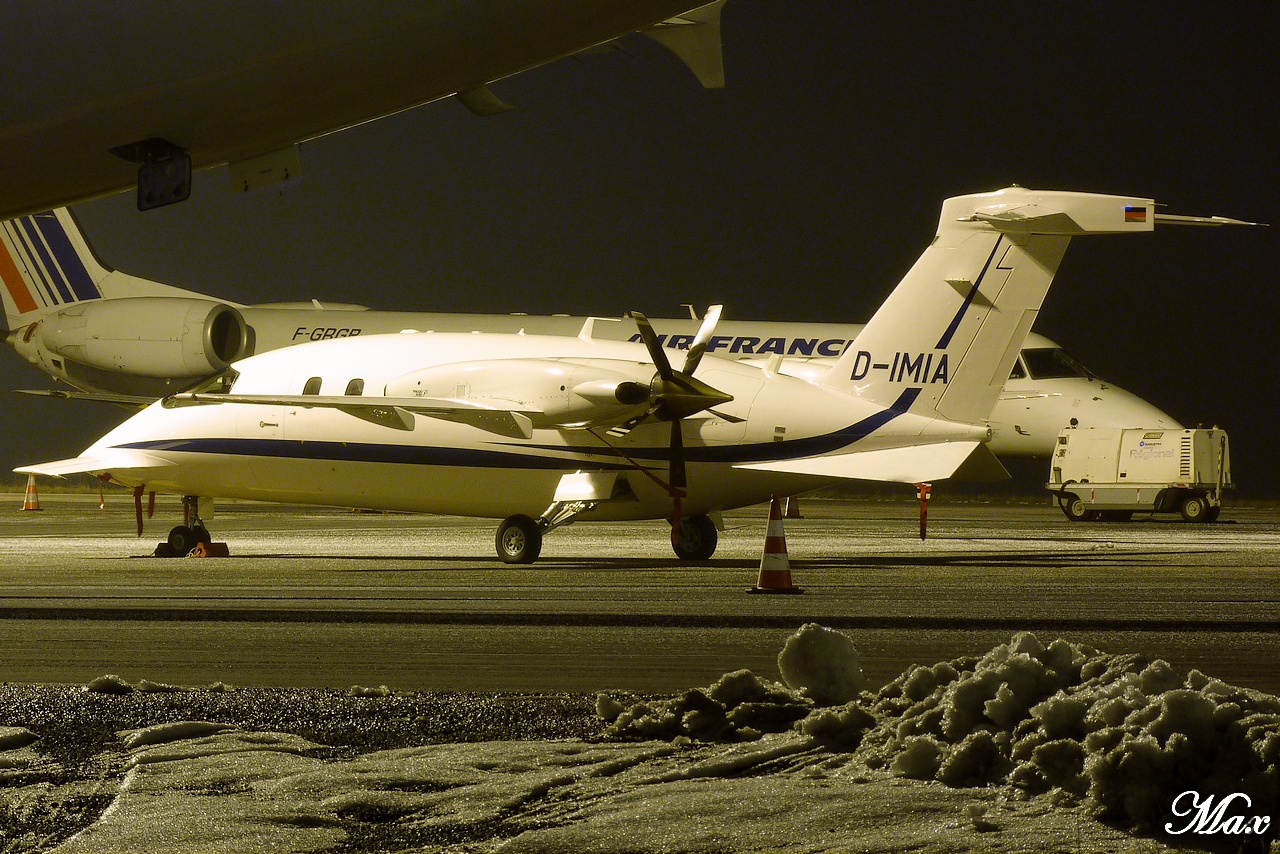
(314,598)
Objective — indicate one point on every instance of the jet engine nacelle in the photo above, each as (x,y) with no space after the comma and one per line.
(567,394)
(171,337)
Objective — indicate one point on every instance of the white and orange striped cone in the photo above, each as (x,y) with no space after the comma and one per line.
(32,499)
(775,566)
(792,508)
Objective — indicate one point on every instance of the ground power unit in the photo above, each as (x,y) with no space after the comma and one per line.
(1108,474)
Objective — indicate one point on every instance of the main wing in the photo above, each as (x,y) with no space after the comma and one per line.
(393,412)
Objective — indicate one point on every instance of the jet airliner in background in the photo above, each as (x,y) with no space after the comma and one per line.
(105,331)
(540,431)
(102,97)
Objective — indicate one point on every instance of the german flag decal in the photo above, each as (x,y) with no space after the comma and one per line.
(1135,214)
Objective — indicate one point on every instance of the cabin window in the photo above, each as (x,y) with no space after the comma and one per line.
(312,386)
(355,388)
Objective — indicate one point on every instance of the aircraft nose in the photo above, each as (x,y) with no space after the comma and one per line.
(1115,407)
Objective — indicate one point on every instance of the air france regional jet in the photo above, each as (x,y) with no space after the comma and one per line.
(104,331)
(540,431)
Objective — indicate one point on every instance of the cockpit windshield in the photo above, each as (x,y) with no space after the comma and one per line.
(1053,363)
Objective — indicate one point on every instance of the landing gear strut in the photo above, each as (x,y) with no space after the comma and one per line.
(519,538)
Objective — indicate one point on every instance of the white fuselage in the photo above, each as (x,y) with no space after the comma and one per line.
(325,456)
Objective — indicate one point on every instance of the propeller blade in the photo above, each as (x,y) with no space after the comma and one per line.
(702,339)
(650,339)
(677,474)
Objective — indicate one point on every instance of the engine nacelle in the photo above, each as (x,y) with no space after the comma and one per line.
(171,337)
(567,394)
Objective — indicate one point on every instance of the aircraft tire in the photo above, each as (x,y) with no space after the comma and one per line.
(519,540)
(698,539)
(1194,509)
(182,540)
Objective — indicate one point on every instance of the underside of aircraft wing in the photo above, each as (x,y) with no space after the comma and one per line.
(113,460)
(917,464)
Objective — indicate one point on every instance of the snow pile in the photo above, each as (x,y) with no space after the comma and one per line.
(1128,734)
(820,668)
(740,706)
(1124,735)
(822,664)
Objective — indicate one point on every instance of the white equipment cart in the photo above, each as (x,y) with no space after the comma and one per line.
(1108,474)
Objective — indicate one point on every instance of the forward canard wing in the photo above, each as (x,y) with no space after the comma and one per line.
(107,460)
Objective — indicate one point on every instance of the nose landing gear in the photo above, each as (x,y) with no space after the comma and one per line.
(190,535)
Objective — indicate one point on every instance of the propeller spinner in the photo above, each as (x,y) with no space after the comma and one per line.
(676,395)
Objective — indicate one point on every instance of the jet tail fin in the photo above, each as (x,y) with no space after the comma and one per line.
(47,264)
(945,340)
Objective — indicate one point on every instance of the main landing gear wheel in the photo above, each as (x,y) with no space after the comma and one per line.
(698,539)
(519,540)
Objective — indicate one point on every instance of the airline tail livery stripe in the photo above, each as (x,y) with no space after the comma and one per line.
(54,272)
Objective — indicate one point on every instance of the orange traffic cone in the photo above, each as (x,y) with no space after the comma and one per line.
(32,501)
(775,566)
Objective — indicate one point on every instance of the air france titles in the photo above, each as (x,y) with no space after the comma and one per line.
(919,368)
(324,333)
(748,345)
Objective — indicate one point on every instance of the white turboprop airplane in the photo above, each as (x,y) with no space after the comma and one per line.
(102,97)
(541,431)
(104,331)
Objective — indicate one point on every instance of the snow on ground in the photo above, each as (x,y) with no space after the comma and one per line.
(1033,746)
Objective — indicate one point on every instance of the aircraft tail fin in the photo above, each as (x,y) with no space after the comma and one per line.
(944,342)
(46,264)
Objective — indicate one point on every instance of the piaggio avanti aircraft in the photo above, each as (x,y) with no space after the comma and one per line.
(540,431)
(115,337)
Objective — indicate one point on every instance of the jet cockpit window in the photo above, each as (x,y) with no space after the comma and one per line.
(1053,363)
(216,384)
(1018,372)
(355,388)
(312,386)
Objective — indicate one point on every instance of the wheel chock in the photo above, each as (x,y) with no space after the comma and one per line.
(210,550)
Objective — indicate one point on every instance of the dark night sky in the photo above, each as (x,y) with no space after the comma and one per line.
(803,191)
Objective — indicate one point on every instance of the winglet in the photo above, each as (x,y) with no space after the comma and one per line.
(695,38)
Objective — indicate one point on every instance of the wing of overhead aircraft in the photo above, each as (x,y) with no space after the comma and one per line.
(102,97)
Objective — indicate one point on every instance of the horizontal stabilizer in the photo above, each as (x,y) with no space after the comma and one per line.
(919,464)
(392,412)
(111,460)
